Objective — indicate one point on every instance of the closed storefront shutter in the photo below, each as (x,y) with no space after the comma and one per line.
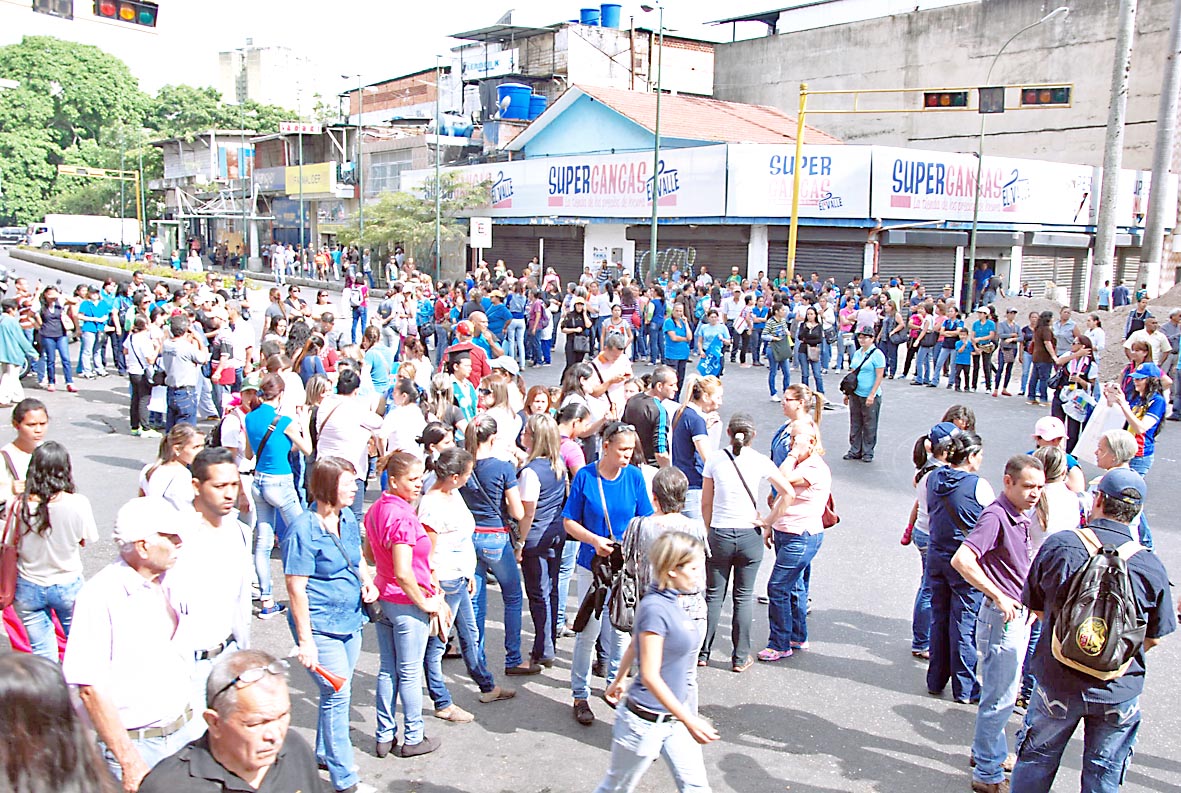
(841,261)
(1065,267)
(933,266)
(566,257)
(719,248)
(1127,266)
(517,245)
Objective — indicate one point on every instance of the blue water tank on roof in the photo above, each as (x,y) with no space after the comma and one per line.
(518,100)
(589,16)
(537,105)
(610,14)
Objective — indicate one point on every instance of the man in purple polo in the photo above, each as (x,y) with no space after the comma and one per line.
(995,558)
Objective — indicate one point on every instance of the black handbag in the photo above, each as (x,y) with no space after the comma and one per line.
(849,381)
(1059,378)
(582,343)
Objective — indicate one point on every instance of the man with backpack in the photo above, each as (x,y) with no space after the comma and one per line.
(1102,609)
(995,558)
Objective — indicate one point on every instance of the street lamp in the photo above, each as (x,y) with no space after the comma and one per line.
(360,155)
(659,8)
(1060,11)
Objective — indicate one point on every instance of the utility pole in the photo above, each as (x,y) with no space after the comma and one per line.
(1166,129)
(1113,151)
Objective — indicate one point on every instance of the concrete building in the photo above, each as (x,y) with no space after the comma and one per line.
(269,75)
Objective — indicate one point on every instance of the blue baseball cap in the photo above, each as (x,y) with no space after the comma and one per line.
(941,433)
(1117,480)
(1146,370)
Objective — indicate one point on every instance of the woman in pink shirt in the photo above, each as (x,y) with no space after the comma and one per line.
(411,603)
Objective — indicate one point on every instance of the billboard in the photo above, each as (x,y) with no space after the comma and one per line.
(833,181)
(688,183)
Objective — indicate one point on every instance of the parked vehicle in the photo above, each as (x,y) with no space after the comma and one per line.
(11,235)
(90,233)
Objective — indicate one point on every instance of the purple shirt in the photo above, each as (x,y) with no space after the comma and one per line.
(1001,542)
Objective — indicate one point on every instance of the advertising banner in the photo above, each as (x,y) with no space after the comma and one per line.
(689,183)
(912,184)
(833,181)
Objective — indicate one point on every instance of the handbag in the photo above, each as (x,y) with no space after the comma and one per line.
(849,382)
(1059,379)
(582,343)
(9,551)
(625,595)
(781,349)
(813,353)
(830,518)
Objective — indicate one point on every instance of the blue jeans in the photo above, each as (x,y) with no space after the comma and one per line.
(640,346)
(338,654)
(922,365)
(514,341)
(636,743)
(182,407)
(565,572)
(1026,370)
(1028,681)
(464,619)
(1000,647)
(274,495)
(584,645)
(152,750)
(920,624)
(117,356)
(787,588)
(533,348)
(946,356)
(39,361)
(402,642)
(360,317)
(954,606)
(805,366)
(781,368)
(36,605)
(1039,382)
(441,340)
(541,587)
(89,361)
(494,552)
(1142,465)
(1109,733)
(656,342)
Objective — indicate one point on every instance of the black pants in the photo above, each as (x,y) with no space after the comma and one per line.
(911,352)
(733,343)
(141,391)
(863,426)
(744,340)
(738,552)
(982,360)
(1007,368)
(680,367)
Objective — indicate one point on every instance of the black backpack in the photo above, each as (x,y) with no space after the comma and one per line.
(1099,629)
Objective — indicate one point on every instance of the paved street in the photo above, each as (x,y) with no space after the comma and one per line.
(851,714)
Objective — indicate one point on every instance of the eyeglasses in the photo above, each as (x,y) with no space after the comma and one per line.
(252,675)
(485,391)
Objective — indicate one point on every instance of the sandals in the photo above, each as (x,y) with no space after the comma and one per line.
(455,715)
(770,655)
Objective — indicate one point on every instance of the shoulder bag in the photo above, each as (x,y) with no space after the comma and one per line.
(625,594)
(742,479)
(263,443)
(849,382)
(9,551)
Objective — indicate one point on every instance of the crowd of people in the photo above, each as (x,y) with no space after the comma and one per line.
(389,447)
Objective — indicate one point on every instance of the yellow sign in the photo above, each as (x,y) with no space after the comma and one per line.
(318,177)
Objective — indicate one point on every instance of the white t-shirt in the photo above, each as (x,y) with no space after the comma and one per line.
(1063,514)
(233,437)
(448,516)
(345,426)
(20,463)
(508,427)
(294,394)
(55,557)
(604,372)
(138,349)
(401,428)
(173,483)
(732,507)
(600,304)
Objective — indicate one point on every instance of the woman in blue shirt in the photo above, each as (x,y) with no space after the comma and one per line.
(690,437)
(984,338)
(1143,413)
(271,438)
(712,339)
(677,336)
(604,497)
(379,358)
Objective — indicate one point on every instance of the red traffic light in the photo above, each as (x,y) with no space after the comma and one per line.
(945,100)
(135,12)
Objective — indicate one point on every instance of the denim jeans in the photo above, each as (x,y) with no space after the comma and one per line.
(59,348)
(954,606)
(805,366)
(1028,681)
(738,552)
(584,645)
(338,654)
(360,318)
(274,495)
(1109,733)
(464,619)
(781,368)
(494,552)
(402,642)
(922,365)
(863,425)
(565,573)
(1039,382)
(514,341)
(182,407)
(946,356)
(1000,647)
(920,624)
(692,508)
(891,351)
(441,340)
(656,342)
(152,750)
(1142,465)
(533,348)
(36,605)
(88,356)
(1026,371)
(635,745)
(39,361)
(117,356)
(640,345)
(787,588)
(541,587)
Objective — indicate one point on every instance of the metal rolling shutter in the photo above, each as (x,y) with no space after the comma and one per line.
(841,261)
(1064,266)
(566,257)
(777,258)
(515,245)
(933,266)
(1127,265)
(693,252)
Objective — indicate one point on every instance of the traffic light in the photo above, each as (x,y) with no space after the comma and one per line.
(133,12)
(1054,95)
(945,100)
(55,8)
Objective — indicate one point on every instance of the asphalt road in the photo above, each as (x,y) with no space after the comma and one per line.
(851,714)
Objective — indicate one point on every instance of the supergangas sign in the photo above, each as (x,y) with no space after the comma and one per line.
(927,185)
(833,181)
(619,184)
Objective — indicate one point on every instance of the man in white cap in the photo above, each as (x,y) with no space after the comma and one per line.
(1051,431)
(125,653)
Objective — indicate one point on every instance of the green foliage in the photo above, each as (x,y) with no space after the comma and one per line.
(181,110)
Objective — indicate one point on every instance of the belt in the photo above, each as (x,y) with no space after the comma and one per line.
(649,715)
(163,732)
(182,387)
(491,530)
(214,651)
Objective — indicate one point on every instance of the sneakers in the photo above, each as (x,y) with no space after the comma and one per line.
(135,433)
(73,389)
(770,656)
(273,610)
(51,387)
(582,713)
(151,433)
(990,787)
(774,398)
(742,666)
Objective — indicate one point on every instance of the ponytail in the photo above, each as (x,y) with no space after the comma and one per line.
(742,431)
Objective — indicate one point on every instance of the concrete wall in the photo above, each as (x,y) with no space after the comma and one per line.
(952,47)
(607,240)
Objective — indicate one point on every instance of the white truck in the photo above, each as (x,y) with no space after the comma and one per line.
(90,233)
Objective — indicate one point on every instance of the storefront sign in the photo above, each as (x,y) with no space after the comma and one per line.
(688,183)
(927,185)
(833,181)
(494,65)
(318,179)
(300,128)
(270,180)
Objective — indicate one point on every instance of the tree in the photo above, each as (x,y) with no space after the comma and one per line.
(181,110)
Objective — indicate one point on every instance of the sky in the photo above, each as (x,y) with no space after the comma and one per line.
(376,38)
